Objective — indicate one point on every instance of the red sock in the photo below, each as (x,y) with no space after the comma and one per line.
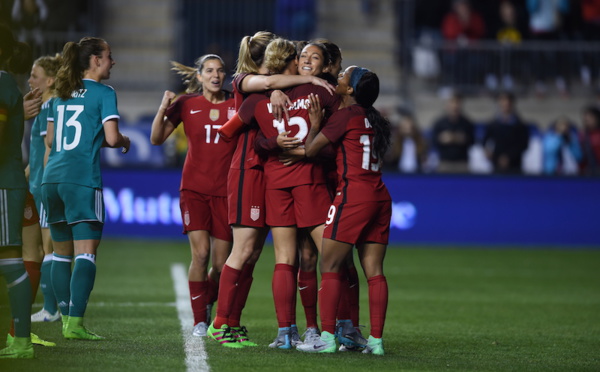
(284,292)
(34,271)
(378,301)
(354,295)
(329,298)
(308,288)
(213,290)
(227,293)
(243,289)
(199,300)
(343,310)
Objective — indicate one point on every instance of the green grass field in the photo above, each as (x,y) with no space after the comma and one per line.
(450,309)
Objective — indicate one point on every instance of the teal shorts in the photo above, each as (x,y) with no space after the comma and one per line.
(62,232)
(12,204)
(70,203)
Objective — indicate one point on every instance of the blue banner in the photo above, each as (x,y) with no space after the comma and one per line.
(427,209)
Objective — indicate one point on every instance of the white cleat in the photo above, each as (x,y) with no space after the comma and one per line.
(200,330)
(45,316)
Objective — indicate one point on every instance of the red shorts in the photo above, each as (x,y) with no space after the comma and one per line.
(30,214)
(356,223)
(301,206)
(205,212)
(246,197)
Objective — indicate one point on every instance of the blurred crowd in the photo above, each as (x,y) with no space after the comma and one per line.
(482,42)
(504,144)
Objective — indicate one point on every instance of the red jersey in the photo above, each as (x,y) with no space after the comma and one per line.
(208,157)
(257,107)
(358,169)
(244,157)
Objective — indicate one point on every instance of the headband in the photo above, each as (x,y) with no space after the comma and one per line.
(357,74)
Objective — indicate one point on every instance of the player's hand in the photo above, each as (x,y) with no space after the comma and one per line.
(287,143)
(323,83)
(290,157)
(126,145)
(32,103)
(315,111)
(279,103)
(168,96)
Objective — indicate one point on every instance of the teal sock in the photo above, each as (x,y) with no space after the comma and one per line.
(61,281)
(46,285)
(19,294)
(84,275)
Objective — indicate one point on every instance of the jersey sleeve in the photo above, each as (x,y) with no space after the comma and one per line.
(237,82)
(246,111)
(173,112)
(109,106)
(336,127)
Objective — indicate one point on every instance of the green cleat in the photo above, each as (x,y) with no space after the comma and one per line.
(224,336)
(374,346)
(75,330)
(241,336)
(35,339)
(65,322)
(21,347)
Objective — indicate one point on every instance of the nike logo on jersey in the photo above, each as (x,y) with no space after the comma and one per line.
(196,297)
(195,111)
(302,288)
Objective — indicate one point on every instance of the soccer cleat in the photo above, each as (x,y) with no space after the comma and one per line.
(348,335)
(21,347)
(45,316)
(241,336)
(283,339)
(374,346)
(75,330)
(295,336)
(344,348)
(200,329)
(223,336)
(65,322)
(35,339)
(309,332)
(325,343)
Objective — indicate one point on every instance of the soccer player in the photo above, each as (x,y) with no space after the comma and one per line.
(203,190)
(13,188)
(246,189)
(296,195)
(361,212)
(84,118)
(43,73)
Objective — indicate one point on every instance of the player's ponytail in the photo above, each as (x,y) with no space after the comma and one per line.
(366,93)
(252,51)
(76,60)
(278,55)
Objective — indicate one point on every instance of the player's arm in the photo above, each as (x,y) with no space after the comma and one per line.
(315,140)
(113,138)
(161,126)
(261,83)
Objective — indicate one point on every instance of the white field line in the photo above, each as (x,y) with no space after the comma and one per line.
(196,358)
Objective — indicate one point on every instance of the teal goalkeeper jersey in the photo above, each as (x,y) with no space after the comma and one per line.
(37,148)
(12,119)
(79,134)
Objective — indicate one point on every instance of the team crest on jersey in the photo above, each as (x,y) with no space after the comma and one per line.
(254,213)
(230,112)
(28,213)
(214,114)
(186,218)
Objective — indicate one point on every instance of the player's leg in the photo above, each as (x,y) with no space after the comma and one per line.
(284,283)
(198,278)
(371,258)
(12,269)
(49,312)
(307,281)
(332,258)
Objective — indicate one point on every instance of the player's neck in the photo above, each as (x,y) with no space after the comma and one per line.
(347,101)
